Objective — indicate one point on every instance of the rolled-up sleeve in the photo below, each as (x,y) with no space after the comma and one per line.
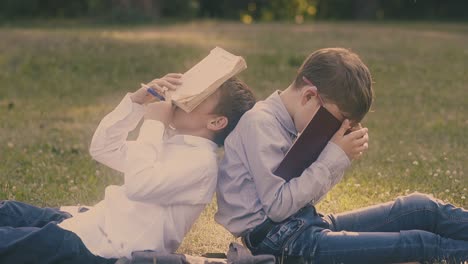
(109,142)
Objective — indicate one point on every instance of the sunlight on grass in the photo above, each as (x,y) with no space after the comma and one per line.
(207,235)
(174,37)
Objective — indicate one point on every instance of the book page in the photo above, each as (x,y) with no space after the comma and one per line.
(217,64)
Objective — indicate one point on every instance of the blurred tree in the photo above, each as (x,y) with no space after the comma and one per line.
(135,9)
(246,10)
(365,9)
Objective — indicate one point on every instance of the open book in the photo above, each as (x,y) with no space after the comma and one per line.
(308,145)
(205,77)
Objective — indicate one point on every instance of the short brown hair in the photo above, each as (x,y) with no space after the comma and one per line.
(340,77)
(235,99)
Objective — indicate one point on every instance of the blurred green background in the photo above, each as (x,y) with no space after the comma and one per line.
(246,11)
(61,71)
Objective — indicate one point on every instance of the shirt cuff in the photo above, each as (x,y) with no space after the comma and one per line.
(126,109)
(334,158)
(151,132)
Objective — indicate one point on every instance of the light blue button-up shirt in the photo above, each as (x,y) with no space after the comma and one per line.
(248,192)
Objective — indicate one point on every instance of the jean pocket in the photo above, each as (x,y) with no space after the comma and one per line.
(281,233)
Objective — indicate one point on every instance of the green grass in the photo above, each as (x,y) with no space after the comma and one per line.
(57,83)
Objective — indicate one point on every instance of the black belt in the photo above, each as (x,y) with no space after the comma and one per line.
(258,234)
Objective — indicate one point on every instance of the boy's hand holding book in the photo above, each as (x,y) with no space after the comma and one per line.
(158,110)
(354,143)
(163,110)
(169,82)
(199,82)
(188,90)
(323,127)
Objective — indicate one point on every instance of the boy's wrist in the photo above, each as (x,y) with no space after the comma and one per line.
(160,111)
(136,98)
(334,157)
(151,131)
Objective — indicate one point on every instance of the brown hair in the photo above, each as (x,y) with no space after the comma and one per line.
(340,77)
(235,99)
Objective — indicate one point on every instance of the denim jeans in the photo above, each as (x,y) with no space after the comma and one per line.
(29,234)
(411,228)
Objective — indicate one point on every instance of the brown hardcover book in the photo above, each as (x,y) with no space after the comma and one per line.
(308,145)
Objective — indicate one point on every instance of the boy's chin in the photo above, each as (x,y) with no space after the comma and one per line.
(176,125)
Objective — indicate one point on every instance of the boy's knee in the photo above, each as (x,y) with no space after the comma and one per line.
(419,200)
(427,244)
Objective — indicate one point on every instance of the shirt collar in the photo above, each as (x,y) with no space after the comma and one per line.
(281,113)
(192,141)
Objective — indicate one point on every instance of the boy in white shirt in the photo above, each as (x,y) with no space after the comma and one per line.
(170,175)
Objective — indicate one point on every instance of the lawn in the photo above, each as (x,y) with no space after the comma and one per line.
(57,84)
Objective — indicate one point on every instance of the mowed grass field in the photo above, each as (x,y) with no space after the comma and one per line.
(56,84)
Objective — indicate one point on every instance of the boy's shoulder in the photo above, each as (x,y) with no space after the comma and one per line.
(256,124)
(257,121)
(260,114)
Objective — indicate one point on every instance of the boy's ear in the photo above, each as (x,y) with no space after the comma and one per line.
(218,123)
(308,93)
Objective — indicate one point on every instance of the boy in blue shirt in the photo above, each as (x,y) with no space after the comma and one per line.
(276,217)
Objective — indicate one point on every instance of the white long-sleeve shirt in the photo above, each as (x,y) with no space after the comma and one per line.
(168,182)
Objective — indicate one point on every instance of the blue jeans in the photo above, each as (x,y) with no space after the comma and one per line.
(30,234)
(411,228)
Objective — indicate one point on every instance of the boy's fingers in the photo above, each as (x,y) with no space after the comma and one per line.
(168,97)
(362,148)
(160,86)
(165,83)
(152,99)
(159,89)
(362,140)
(146,96)
(172,80)
(356,127)
(174,75)
(156,87)
(344,127)
(358,133)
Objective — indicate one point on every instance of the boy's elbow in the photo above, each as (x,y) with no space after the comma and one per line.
(133,193)
(276,214)
(96,155)
(99,148)
(275,217)
(94,150)
(102,153)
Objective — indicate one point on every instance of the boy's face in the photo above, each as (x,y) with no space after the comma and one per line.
(199,118)
(309,104)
